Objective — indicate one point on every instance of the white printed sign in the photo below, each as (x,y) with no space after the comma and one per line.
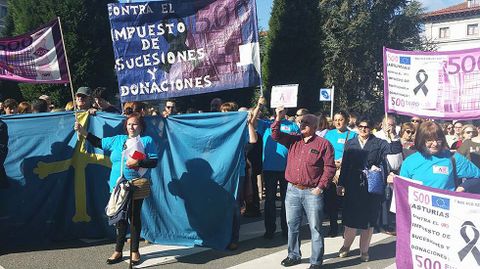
(284,95)
(325,94)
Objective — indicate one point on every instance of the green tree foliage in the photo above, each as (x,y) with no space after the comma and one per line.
(293,49)
(354,33)
(86,32)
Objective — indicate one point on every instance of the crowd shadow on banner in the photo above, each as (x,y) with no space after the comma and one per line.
(35,206)
(207,204)
(43,204)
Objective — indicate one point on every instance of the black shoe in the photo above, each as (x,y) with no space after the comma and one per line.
(290,262)
(114,261)
(268,235)
(315,266)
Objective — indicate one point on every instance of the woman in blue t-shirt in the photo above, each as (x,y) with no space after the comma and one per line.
(134,126)
(433,164)
(338,137)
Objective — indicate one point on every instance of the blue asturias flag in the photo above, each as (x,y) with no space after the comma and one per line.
(59,184)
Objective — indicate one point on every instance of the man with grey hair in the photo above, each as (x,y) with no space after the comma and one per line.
(310,168)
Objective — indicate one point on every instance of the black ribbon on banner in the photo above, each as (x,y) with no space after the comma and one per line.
(421,82)
(470,247)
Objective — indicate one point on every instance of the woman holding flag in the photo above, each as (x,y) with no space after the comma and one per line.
(130,167)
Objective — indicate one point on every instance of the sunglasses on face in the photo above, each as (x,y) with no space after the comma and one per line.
(449,128)
(169,106)
(363,127)
(416,121)
(410,132)
(469,132)
(430,142)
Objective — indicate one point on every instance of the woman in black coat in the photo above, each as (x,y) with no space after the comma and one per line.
(361,208)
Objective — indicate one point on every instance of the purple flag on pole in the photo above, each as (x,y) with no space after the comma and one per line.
(35,57)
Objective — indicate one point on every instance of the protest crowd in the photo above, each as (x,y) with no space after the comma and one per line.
(315,165)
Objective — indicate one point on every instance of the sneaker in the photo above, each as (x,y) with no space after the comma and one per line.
(343,252)
(364,257)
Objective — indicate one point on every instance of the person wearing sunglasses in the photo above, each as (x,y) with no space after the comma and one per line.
(450,134)
(407,135)
(433,164)
(361,208)
(416,121)
(471,144)
(299,115)
(169,108)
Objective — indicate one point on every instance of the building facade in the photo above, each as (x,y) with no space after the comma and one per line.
(3,14)
(455,27)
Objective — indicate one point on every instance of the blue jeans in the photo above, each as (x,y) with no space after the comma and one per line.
(297,202)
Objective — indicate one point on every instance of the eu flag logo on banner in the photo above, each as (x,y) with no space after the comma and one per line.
(405,60)
(443,203)
(325,94)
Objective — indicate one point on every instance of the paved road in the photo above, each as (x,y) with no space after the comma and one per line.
(254,252)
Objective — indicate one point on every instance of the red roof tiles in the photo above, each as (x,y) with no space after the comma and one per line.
(456,10)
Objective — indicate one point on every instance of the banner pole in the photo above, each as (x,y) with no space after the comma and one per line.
(258,39)
(332,101)
(68,68)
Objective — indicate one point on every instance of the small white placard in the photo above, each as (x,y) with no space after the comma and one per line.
(284,95)
(325,94)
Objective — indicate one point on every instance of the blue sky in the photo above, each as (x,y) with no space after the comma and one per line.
(264,8)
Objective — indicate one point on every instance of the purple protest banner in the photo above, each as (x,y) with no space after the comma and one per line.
(437,85)
(35,57)
(436,228)
(167,49)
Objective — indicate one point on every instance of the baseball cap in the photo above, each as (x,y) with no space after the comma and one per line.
(84,90)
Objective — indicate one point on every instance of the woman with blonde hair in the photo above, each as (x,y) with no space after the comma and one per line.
(69,106)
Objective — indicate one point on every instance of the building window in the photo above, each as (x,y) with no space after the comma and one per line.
(444,32)
(3,11)
(472,29)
